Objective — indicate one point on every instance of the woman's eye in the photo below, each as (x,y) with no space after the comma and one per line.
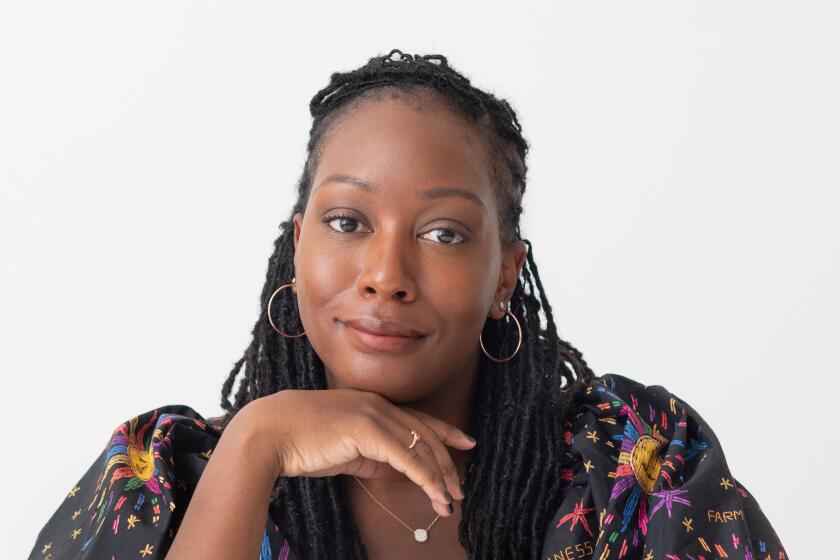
(344,224)
(446,236)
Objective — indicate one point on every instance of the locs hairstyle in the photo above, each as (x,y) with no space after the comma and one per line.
(522,407)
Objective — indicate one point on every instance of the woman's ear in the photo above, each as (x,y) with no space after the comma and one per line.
(520,251)
(513,259)
(297,221)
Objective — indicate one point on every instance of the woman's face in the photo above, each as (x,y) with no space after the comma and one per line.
(401,234)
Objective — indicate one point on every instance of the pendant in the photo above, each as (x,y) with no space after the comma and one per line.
(420,535)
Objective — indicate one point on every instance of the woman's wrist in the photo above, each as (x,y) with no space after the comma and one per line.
(248,434)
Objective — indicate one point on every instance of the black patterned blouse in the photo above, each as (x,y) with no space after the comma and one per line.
(648,481)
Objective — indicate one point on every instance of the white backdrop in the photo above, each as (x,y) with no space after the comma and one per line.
(682,201)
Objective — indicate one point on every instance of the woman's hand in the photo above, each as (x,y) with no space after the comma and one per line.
(346,431)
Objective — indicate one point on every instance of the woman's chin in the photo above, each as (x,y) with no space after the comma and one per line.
(396,384)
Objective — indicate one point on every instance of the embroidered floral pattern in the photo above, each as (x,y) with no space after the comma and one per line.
(646,494)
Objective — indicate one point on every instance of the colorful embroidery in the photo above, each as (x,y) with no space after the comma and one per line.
(125,505)
(634,490)
(648,494)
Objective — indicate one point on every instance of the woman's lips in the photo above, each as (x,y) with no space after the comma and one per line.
(367,341)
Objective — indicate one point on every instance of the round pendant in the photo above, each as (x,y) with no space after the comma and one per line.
(420,535)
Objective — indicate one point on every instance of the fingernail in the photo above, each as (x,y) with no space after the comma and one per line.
(448,496)
(450,508)
(472,439)
(461,487)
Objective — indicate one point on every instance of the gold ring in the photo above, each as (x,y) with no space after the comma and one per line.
(416,438)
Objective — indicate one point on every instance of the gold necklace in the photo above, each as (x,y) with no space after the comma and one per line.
(420,535)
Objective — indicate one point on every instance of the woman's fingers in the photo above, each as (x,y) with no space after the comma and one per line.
(426,455)
(447,433)
(425,472)
(429,448)
(435,439)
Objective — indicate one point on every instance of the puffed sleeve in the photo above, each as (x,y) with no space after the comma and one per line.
(648,479)
(131,500)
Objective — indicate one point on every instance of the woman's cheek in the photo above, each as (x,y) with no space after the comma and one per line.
(463,288)
(321,278)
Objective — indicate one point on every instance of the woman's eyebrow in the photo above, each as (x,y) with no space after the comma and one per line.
(440,192)
(429,194)
(338,178)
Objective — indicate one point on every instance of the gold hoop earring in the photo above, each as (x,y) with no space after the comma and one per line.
(268,312)
(518,344)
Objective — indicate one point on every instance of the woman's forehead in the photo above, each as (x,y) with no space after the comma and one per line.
(396,142)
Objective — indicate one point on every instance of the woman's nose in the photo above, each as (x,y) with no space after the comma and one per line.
(387,268)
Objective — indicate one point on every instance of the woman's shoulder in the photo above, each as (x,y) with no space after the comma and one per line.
(648,474)
(621,388)
(131,498)
(168,428)
(144,446)
(635,409)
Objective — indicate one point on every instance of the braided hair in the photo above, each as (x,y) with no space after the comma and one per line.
(512,481)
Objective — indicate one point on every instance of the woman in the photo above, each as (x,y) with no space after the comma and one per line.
(401,312)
